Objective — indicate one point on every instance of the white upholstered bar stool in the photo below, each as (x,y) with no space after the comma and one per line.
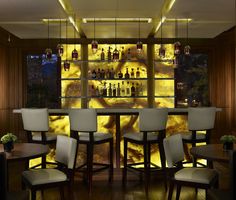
(199,119)
(83,127)
(204,178)
(152,127)
(40,179)
(36,125)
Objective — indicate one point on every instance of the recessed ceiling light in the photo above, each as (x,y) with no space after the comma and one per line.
(104,20)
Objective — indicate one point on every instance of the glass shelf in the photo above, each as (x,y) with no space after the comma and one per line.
(81,97)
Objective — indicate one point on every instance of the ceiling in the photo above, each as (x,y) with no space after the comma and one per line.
(209,17)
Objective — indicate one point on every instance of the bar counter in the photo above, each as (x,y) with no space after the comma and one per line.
(117,112)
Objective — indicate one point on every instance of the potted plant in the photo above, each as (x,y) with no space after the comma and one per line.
(8,141)
(228,141)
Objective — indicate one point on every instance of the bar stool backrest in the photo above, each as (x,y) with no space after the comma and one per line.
(201,118)
(35,119)
(174,151)
(66,151)
(83,120)
(153,119)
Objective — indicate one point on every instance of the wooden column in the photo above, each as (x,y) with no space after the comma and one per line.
(150,75)
(84,75)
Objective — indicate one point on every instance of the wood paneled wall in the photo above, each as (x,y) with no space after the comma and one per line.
(222,82)
(221,52)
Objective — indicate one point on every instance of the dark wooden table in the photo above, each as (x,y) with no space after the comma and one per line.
(17,161)
(211,152)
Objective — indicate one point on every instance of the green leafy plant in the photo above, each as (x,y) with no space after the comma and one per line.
(227,138)
(9,137)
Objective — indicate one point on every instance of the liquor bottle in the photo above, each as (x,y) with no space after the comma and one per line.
(93,74)
(102,55)
(112,73)
(109,57)
(92,91)
(128,89)
(109,90)
(108,73)
(141,89)
(132,90)
(104,89)
(114,90)
(118,90)
(122,54)
(129,54)
(98,74)
(102,74)
(97,91)
(120,75)
(127,73)
(137,73)
(132,73)
(122,88)
(137,90)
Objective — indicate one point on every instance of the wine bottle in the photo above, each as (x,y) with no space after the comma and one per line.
(98,74)
(109,90)
(137,73)
(120,75)
(114,90)
(127,74)
(122,54)
(104,89)
(132,90)
(94,74)
(102,74)
(129,54)
(132,73)
(118,90)
(137,90)
(128,89)
(102,55)
(109,57)
(122,88)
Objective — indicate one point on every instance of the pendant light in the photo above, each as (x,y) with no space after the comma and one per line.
(94,43)
(66,62)
(187,48)
(177,44)
(48,50)
(115,52)
(60,47)
(139,43)
(74,53)
(162,51)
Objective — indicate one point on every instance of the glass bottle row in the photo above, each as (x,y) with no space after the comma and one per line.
(111,74)
(128,89)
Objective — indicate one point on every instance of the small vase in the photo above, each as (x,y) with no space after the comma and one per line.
(8,146)
(228,146)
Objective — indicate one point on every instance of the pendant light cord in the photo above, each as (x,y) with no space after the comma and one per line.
(139,29)
(66,38)
(74,33)
(161,29)
(187,32)
(94,28)
(60,31)
(48,33)
(176,29)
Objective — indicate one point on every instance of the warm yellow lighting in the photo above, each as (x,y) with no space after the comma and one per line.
(72,21)
(53,20)
(143,20)
(159,23)
(170,5)
(178,19)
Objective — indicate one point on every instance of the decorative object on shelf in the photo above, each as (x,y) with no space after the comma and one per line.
(139,43)
(66,62)
(60,47)
(228,141)
(177,44)
(115,52)
(162,50)
(94,43)
(8,141)
(48,50)
(187,47)
(74,53)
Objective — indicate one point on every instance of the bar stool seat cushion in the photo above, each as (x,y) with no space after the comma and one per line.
(84,136)
(151,136)
(36,136)
(188,136)
(196,175)
(44,176)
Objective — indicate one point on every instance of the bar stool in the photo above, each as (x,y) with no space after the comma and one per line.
(83,127)
(199,119)
(36,125)
(151,121)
